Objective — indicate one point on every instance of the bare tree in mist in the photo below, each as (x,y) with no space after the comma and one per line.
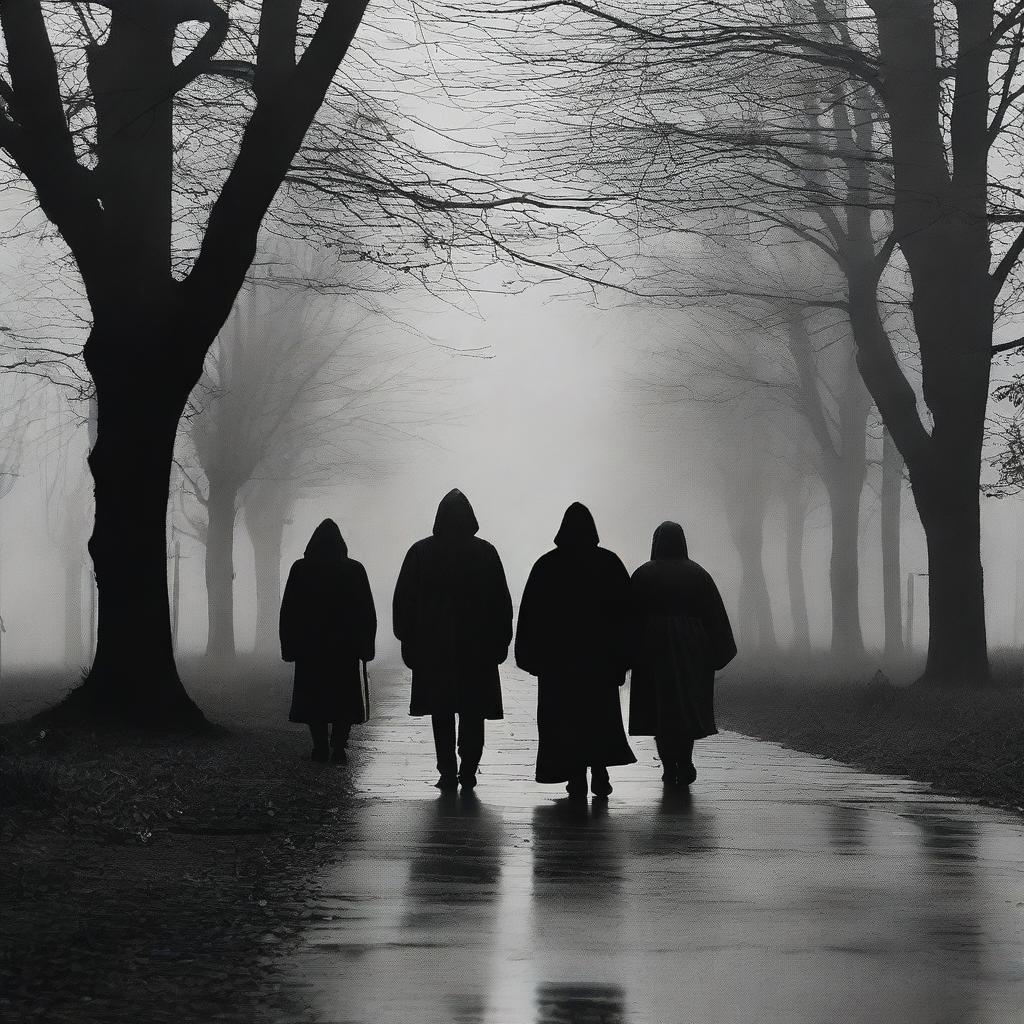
(292,400)
(896,124)
(156,138)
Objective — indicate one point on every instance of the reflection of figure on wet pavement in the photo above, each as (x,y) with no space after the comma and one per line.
(682,636)
(453,615)
(452,901)
(328,625)
(573,635)
(581,1004)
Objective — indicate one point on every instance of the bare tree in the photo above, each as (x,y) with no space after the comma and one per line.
(897,124)
(284,405)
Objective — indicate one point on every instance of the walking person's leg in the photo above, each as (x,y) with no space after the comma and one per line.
(687,772)
(471,748)
(318,730)
(444,744)
(339,741)
(667,754)
(600,784)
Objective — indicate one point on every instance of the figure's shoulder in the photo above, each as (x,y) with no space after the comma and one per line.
(548,559)
(484,547)
(611,560)
(642,572)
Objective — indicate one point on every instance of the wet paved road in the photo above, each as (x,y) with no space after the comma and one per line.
(787,889)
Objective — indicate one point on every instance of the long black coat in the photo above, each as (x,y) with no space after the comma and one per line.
(572,634)
(453,614)
(681,637)
(328,624)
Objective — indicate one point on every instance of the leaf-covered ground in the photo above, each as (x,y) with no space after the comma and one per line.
(149,879)
(966,744)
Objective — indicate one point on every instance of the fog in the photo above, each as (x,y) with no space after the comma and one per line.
(636,350)
(542,402)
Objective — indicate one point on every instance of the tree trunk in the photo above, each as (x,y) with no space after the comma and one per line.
(940,217)
(891,514)
(957,641)
(74,639)
(756,626)
(796,519)
(266,529)
(221,510)
(844,570)
(133,675)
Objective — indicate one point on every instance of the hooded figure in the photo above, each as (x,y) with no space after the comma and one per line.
(328,625)
(681,638)
(453,616)
(573,635)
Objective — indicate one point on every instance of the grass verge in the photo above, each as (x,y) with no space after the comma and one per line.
(157,879)
(967,744)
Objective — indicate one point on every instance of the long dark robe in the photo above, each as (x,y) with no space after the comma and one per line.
(681,638)
(328,625)
(572,634)
(453,614)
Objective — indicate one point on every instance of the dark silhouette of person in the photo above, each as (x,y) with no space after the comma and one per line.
(328,625)
(453,615)
(573,635)
(681,638)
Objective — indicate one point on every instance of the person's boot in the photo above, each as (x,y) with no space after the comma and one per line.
(600,784)
(687,773)
(320,755)
(447,783)
(577,785)
(669,773)
(339,755)
(467,776)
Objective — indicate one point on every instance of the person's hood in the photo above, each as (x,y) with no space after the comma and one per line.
(578,529)
(669,542)
(455,516)
(326,545)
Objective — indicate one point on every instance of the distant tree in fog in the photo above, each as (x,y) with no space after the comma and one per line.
(67,495)
(285,405)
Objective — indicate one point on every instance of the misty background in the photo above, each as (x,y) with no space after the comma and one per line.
(515,356)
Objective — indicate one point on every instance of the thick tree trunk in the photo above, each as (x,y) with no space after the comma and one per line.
(266,529)
(221,510)
(891,516)
(74,639)
(957,641)
(796,520)
(133,675)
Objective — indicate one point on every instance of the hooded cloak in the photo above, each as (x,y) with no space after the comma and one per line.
(681,636)
(328,625)
(453,615)
(572,634)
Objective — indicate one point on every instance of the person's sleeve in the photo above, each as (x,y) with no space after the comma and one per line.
(289,620)
(502,610)
(526,627)
(719,630)
(403,607)
(623,618)
(368,633)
